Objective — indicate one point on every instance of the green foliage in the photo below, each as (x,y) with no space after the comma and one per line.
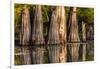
(86,15)
(17,14)
(17,61)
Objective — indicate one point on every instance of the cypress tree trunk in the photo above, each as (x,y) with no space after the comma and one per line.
(54,38)
(25,34)
(57,35)
(62,34)
(84,39)
(90,45)
(74,36)
(37,36)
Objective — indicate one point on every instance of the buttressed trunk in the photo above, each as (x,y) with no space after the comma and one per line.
(25,34)
(26,27)
(74,35)
(62,34)
(57,35)
(37,36)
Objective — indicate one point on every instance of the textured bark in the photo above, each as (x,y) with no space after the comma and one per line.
(37,36)
(84,39)
(74,36)
(62,34)
(25,27)
(90,32)
(25,34)
(57,34)
(90,45)
(54,38)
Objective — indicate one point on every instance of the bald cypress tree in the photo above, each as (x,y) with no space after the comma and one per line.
(37,36)
(62,34)
(53,38)
(57,36)
(25,34)
(90,45)
(74,35)
(84,39)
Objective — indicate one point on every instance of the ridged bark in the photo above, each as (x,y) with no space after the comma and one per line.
(62,34)
(74,36)
(90,45)
(57,35)
(25,34)
(37,36)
